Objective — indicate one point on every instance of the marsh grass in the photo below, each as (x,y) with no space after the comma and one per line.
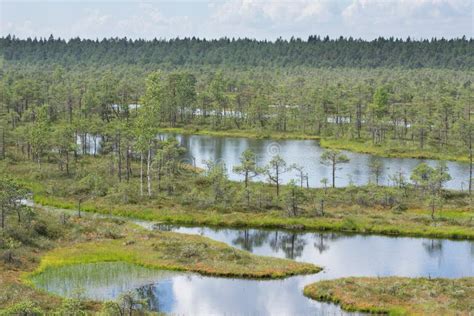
(392,150)
(177,252)
(415,224)
(351,209)
(397,295)
(389,149)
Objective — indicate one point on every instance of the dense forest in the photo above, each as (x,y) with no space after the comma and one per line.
(316,51)
(387,97)
(424,110)
(47,106)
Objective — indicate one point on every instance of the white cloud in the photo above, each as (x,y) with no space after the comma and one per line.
(407,9)
(92,23)
(275,11)
(243,18)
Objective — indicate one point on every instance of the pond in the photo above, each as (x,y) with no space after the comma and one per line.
(305,153)
(341,255)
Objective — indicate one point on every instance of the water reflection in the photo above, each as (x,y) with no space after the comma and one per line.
(369,255)
(98,281)
(322,241)
(248,239)
(305,153)
(341,255)
(434,247)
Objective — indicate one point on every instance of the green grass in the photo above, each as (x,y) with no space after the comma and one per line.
(397,295)
(343,213)
(239,133)
(273,219)
(63,241)
(391,150)
(174,251)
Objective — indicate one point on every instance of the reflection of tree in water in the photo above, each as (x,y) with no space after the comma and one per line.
(292,244)
(320,242)
(274,242)
(164,227)
(434,247)
(248,239)
(149,293)
(323,240)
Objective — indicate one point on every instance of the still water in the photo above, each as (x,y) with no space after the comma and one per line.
(341,255)
(304,153)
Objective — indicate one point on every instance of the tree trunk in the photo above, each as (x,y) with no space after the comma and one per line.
(18,213)
(141,173)
(127,157)
(3,144)
(470,166)
(432,209)
(148,171)
(277,180)
(79,208)
(3,218)
(119,153)
(67,162)
(334,174)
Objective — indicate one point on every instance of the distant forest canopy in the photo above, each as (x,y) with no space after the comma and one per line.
(316,51)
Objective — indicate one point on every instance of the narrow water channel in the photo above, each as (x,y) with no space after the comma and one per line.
(341,255)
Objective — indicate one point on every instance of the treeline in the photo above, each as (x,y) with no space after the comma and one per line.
(421,109)
(313,52)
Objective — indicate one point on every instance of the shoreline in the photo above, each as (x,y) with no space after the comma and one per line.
(362,147)
(395,295)
(265,221)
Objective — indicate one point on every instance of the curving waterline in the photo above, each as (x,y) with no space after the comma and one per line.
(341,255)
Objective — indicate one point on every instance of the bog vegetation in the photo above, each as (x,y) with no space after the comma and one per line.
(55,116)
(60,99)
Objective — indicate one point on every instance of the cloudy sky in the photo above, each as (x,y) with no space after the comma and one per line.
(261,19)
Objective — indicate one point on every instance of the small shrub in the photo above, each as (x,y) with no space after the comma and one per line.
(25,308)
(400,208)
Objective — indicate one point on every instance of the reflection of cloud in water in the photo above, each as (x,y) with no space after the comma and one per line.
(346,255)
(341,255)
(217,296)
(306,153)
(100,281)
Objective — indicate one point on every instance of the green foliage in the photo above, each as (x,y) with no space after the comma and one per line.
(11,194)
(396,295)
(248,166)
(24,308)
(275,168)
(217,176)
(315,52)
(127,304)
(294,198)
(333,158)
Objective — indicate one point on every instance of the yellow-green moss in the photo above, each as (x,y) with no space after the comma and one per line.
(397,295)
(174,251)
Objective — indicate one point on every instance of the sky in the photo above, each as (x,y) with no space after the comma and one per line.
(259,19)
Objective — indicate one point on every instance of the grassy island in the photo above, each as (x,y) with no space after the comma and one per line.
(397,295)
(180,252)
(51,241)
